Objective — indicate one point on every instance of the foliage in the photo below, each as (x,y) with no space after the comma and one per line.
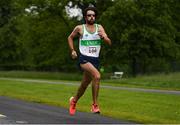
(140,30)
(8,32)
(145,34)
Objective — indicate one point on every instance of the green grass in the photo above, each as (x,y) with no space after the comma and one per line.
(139,107)
(157,81)
(41,75)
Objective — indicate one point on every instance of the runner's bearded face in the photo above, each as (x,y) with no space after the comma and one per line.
(90,17)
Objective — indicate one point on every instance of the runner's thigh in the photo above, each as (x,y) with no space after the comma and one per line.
(88,67)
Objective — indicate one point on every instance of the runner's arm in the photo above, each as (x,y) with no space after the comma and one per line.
(74,33)
(103,35)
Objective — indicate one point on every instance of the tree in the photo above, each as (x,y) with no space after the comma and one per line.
(8,34)
(140,30)
(43,30)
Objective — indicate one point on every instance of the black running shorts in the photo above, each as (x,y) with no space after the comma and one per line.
(84,59)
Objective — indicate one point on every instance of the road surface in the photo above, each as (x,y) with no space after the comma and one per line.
(13,111)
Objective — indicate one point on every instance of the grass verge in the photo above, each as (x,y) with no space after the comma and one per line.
(140,107)
(157,81)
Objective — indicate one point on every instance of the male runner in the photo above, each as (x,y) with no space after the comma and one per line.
(90,37)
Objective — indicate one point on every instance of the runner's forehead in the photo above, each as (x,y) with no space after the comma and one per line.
(90,12)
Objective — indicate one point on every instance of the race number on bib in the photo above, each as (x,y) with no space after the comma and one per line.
(92,50)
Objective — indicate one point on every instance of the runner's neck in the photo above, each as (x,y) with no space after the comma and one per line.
(90,28)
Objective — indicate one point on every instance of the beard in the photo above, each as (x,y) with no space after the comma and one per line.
(90,22)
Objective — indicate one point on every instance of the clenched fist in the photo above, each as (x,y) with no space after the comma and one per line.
(73,54)
(102,34)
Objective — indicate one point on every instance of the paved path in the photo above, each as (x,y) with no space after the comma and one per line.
(14,111)
(102,86)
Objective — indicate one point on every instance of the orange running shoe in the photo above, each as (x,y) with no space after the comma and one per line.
(72,108)
(95,108)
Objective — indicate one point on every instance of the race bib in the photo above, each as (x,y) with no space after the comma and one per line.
(92,49)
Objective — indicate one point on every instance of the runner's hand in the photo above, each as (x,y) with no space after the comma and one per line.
(101,34)
(73,54)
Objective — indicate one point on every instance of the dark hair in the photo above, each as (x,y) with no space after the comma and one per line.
(90,8)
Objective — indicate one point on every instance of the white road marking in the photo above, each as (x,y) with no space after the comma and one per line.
(21,122)
(2,116)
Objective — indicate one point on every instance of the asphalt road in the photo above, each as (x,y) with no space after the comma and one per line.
(13,111)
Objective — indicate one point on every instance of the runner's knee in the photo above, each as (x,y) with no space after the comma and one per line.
(97,77)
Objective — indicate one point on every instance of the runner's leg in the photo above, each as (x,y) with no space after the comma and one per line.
(84,84)
(95,79)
